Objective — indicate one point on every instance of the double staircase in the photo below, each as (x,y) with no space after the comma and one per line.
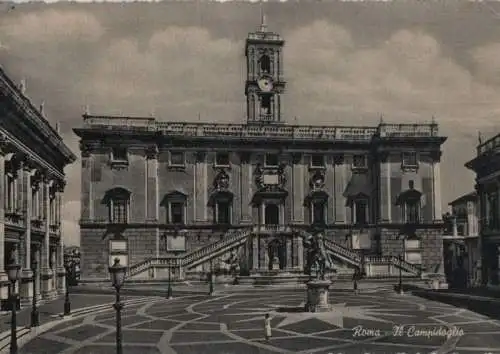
(232,240)
(377,266)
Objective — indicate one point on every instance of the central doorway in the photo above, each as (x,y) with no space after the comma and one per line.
(271,214)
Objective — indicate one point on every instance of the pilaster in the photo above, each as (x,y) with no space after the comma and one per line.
(61,272)
(385,200)
(200,183)
(339,180)
(298,188)
(300,253)
(436,182)
(24,175)
(246,187)
(87,205)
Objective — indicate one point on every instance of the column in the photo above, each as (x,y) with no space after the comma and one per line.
(27,208)
(246,188)
(255,252)
(289,254)
(61,272)
(436,182)
(46,271)
(385,202)
(262,220)
(297,189)
(300,253)
(151,194)
(263,247)
(339,178)
(3,275)
(24,176)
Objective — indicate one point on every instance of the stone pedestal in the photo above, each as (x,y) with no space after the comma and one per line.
(317,295)
(61,281)
(48,289)
(276,263)
(26,289)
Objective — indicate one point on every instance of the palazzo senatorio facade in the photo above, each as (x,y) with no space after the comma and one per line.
(32,181)
(177,195)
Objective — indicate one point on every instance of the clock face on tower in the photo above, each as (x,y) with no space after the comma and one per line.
(265,84)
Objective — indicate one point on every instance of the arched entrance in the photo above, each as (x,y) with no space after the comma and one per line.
(271,214)
(276,249)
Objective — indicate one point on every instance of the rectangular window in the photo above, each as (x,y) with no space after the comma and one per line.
(318,213)
(223,213)
(359,162)
(317,160)
(361,212)
(271,160)
(177,159)
(10,194)
(493,210)
(410,159)
(412,212)
(119,211)
(119,154)
(222,159)
(176,213)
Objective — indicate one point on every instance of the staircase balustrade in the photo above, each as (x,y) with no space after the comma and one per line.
(232,237)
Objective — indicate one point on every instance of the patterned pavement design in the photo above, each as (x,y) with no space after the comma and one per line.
(376,322)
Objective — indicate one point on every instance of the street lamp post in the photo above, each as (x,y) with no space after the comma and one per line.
(13,273)
(67,304)
(35,318)
(211,280)
(401,258)
(169,289)
(117,273)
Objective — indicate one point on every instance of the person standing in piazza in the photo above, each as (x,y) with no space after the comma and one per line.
(267,326)
(355,278)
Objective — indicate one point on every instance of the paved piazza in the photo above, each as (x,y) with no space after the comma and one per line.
(234,323)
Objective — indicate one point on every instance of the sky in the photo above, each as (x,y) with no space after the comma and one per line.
(346,63)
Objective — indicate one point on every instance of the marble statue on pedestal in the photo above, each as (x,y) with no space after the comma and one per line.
(317,255)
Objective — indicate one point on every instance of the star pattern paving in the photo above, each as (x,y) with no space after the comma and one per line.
(233,322)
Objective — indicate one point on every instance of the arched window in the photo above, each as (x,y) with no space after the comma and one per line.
(118,202)
(175,204)
(265,64)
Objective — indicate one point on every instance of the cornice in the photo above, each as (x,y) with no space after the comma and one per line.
(10,91)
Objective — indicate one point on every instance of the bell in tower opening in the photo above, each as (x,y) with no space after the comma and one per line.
(265,83)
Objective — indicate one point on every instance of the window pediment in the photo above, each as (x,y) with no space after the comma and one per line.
(316,196)
(174,196)
(117,193)
(410,196)
(221,197)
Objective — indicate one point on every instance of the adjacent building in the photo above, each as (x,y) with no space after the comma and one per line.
(461,240)
(486,165)
(176,195)
(32,182)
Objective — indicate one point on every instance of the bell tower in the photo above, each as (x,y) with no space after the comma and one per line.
(264,84)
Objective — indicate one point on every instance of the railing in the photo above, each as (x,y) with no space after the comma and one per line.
(347,253)
(231,237)
(489,145)
(407,130)
(306,132)
(272,228)
(265,35)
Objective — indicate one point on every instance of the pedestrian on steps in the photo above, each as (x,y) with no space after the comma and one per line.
(267,327)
